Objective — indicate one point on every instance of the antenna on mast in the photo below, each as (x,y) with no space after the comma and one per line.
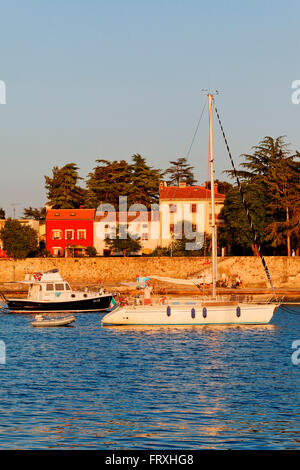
(14,204)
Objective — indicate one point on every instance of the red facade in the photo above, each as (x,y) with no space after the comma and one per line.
(69,231)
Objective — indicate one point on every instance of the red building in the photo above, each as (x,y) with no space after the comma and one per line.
(69,231)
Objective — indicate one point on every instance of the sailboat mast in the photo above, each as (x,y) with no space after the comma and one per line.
(212,190)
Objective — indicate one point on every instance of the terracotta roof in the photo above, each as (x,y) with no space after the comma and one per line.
(70,214)
(189,193)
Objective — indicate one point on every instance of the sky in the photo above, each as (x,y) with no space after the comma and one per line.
(94,79)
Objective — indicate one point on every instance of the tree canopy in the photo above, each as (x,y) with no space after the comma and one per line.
(19,240)
(34,213)
(110,180)
(63,190)
(122,244)
(270,181)
(180,172)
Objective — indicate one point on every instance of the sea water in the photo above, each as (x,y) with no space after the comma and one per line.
(90,387)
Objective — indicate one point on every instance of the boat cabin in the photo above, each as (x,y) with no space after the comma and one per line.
(50,286)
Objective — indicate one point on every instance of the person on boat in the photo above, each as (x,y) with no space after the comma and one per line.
(238,282)
(147,293)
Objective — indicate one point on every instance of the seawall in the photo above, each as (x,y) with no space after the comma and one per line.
(284,271)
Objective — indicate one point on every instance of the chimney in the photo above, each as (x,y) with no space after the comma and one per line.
(162,185)
(216,187)
(182,184)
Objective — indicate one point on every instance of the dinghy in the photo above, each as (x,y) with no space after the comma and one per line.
(40,321)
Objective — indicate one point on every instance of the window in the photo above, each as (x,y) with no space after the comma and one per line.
(193,208)
(67,287)
(69,234)
(145,236)
(81,234)
(56,234)
(173,208)
(49,287)
(59,287)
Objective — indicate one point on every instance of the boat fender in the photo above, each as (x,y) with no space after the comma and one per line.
(168,310)
(193,313)
(204,312)
(238,311)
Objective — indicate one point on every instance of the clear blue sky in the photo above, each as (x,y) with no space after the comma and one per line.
(95,79)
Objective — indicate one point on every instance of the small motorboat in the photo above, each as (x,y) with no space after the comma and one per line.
(39,320)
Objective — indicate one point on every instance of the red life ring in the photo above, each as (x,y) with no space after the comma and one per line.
(123,301)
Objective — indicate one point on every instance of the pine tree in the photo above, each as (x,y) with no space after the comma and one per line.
(34,213)
(144,182)
(235,232)
(180,171)
(110,180)
(276,170)
(63,190)
(107,182)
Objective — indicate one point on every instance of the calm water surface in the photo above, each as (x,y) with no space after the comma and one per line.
(87,387)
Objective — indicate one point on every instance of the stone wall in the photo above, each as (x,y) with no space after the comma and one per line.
(285,272)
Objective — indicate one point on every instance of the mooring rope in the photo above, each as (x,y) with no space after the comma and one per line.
(255,239)
(291,308)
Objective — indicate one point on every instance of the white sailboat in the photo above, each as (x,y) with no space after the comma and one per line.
(207,311)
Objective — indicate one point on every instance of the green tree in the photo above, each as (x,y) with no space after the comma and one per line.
(124,245)
(144,183)
(19,240)
(274,172)
(110,180)
(223,186)
(180,171)
(34,213)
(235,232)
(284,189)
(107,182)
(63,190)
(91,251)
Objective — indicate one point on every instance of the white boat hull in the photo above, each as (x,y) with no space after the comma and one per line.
(247,314)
